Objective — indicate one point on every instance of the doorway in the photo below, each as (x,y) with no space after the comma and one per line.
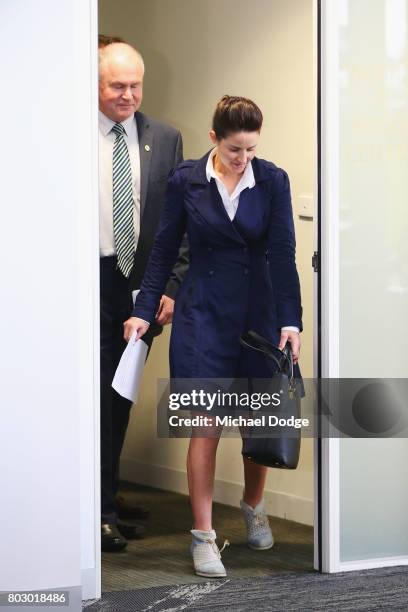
(194,53)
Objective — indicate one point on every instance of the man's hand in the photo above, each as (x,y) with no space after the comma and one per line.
(165,313)
(294,339)
(134,325)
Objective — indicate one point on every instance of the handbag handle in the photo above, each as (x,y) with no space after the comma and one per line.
(258,343)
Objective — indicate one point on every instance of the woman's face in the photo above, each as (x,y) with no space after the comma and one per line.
(235,150)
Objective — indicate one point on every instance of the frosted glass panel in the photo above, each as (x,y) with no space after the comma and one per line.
(373,262)
(373,499)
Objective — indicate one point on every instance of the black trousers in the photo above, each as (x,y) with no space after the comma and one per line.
(115,308)
(116,305)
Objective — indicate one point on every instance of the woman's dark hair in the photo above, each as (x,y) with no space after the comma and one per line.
(236,114)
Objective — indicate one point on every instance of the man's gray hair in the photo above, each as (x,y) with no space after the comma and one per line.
(106,41)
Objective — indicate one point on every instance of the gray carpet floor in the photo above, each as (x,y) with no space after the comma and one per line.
(374,590)
(162,557)
(155,574)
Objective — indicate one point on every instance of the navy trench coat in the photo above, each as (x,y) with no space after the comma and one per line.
(242,273)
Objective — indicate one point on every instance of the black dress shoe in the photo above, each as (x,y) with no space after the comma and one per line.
(131,532)
(111,538)
(127,510)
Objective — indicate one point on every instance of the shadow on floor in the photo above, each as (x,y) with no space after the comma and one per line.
(162,557)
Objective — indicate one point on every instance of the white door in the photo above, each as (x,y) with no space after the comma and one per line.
(364,272)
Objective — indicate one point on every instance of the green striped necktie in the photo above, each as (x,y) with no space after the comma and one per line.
(123,229)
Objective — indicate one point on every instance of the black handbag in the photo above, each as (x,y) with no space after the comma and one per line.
(262,446)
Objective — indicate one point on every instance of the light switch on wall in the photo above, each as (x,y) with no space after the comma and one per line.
(305,206)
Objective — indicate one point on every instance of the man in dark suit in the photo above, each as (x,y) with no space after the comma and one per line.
(136,155)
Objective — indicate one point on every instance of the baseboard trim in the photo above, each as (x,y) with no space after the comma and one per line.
(282,505)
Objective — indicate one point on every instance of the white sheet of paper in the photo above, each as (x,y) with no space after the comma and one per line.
(128,375)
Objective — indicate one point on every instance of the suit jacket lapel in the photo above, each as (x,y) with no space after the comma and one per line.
(145,136)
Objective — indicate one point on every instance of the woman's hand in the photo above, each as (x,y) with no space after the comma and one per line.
(294,338)
(134,325)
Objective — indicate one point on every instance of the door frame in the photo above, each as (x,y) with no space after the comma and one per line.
(327,468)
(90,455)
(90,531)
(326,313)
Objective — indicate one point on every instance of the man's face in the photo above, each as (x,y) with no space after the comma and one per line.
(120,83)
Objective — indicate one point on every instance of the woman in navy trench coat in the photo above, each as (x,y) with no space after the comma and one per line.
(236,210)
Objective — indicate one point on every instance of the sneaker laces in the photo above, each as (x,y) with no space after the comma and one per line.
(215,548)
(259,523)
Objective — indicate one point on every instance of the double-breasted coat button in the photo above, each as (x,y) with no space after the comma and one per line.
(209,249)
(211,272)
(246,271)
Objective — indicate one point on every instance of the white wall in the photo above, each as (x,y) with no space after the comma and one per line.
(195,51)
(46,328)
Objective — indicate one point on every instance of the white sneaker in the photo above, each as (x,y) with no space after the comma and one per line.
(206,555)
(259,532)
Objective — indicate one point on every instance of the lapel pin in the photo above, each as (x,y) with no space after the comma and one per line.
(147,148)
